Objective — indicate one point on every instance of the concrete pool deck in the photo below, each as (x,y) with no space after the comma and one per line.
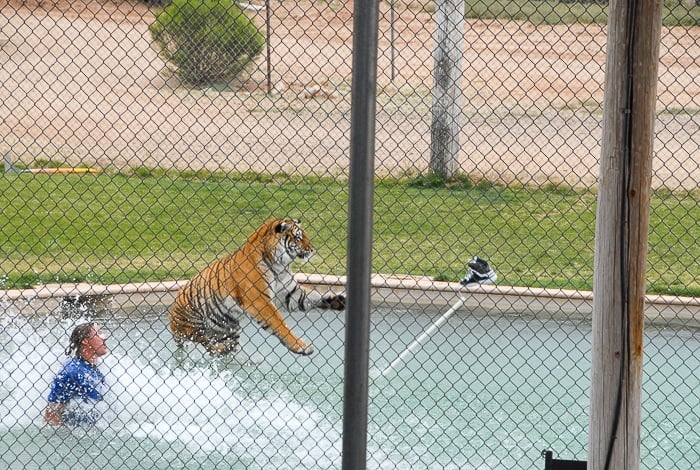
(404,291)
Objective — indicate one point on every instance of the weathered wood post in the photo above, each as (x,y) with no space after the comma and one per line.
(446,108)
(622,222)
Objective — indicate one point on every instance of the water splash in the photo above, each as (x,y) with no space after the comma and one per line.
(197,408)
(250,415)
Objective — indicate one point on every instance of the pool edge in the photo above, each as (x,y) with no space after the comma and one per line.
(415,292)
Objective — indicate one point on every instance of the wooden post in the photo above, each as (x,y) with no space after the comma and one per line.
(446,125)
(622,222)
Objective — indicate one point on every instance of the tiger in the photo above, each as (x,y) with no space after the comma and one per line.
(255,280)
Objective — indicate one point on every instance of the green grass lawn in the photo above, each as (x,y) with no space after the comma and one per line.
(149,226)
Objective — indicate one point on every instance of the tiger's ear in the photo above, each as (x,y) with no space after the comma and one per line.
(282,227)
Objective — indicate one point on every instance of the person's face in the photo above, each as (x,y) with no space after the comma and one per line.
(95,344)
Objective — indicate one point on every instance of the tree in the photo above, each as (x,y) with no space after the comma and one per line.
(206,41)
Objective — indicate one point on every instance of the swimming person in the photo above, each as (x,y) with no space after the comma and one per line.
(79,386)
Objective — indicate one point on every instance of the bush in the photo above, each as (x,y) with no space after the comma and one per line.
(206,41)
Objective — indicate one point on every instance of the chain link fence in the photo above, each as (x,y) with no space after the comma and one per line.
(122,180)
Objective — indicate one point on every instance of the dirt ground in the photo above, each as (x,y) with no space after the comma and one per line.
(80,82)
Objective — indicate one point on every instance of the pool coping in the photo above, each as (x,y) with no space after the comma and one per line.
(414,292)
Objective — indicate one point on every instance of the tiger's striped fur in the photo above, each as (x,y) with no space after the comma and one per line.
(255,280)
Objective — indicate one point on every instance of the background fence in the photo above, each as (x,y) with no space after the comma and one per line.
(116,173)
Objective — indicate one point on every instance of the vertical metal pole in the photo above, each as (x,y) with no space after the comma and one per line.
(393,39)
(364,89)
(268,49)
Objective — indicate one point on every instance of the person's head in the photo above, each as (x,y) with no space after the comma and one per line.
(87,341)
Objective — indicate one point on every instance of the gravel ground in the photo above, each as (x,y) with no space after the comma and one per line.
(81,83)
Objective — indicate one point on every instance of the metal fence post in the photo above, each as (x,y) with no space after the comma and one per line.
(364,84)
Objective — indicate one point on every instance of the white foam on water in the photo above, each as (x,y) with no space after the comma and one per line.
(198,408)
(27,365)
(201,410)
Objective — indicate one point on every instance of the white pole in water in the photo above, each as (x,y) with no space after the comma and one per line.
(424,335)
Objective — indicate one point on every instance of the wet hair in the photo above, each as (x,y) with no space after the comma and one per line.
(79,333)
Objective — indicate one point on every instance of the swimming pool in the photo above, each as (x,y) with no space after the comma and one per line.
(483,392)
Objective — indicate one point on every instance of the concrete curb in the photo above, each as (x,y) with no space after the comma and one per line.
(403,291)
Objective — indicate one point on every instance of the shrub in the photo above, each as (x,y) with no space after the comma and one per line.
(206,42)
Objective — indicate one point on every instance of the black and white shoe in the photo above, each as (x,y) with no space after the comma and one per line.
(479,272)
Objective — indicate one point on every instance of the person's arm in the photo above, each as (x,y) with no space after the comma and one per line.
(53,413)
(61,392)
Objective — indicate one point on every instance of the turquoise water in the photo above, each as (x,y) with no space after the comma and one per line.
(480,393)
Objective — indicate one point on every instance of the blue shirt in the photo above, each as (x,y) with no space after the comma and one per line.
(78,381)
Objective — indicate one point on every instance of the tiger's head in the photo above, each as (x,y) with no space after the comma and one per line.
(293,240)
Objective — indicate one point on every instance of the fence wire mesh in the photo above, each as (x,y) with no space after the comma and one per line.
(124,177)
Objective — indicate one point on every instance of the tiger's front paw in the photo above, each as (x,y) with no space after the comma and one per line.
(300,347)
(333,301)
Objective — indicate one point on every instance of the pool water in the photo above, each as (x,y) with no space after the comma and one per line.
(483,392)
